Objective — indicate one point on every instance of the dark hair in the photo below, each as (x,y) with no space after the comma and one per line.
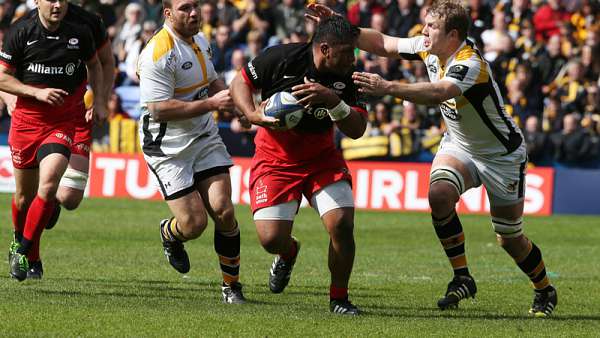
(454,16)
(167,3)
(336,30)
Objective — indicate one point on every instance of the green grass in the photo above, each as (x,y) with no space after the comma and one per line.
(105,275)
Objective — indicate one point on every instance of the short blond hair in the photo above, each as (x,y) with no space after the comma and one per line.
(453,14)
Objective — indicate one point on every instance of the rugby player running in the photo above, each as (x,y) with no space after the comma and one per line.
(483,145)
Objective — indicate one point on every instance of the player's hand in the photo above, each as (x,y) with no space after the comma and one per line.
(259,118)
(313,93)
(52,96)
(316,12)
(371,84)
(222,101)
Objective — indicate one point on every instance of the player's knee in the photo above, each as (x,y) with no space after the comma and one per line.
(192,226)
(47,190)
(224,213)
(342,231)
(272,243)
(442,196)
(70,203)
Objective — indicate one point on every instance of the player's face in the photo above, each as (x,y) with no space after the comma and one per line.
(339,59)
(184,17)
(435,35)
(52,11)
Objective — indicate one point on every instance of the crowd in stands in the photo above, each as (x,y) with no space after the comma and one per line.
(545,56)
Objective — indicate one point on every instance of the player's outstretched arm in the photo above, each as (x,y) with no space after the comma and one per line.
(12,85)
(422,92)
(369,40)
(242,97)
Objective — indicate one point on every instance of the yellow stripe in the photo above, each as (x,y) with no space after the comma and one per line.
(202,62)
(542,284)
(423,55)
(163,43)
(465,53)
(458,262)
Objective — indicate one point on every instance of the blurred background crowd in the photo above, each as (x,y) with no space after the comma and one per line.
(545,56)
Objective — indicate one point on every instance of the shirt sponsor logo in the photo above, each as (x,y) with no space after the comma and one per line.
(252,70)
(6,56)
(62,136)
(320,113)
(449,112)
(339,85)
(73,43)
(39,68)
(261,192)
(432,68)
(187,65)
(458,72)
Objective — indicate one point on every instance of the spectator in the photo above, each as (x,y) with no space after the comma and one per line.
(548,18)
(288,15)
(208,20)
(227,13)
(130,30)
(550,62)
(590,58)
(222,47)
(538,144)
(516,12)
(481,18)
(572,145)
(359,14)
(130,63)
(552,115)
(527,46)
(571,87)
(238,60)
(402,16)
(255,16)
(495,39)
(254,44)
(153,10)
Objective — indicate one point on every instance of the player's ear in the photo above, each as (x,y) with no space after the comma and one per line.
(324,48)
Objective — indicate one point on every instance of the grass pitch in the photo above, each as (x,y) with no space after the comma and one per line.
(105,275)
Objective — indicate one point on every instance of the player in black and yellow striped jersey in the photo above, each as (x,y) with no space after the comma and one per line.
(482,145)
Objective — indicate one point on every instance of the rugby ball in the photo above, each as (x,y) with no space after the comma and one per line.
(285,107)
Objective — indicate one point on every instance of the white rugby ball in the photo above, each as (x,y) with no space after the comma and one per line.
(285,107)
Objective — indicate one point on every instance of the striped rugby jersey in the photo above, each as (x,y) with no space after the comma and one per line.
(476,121)
(171,68)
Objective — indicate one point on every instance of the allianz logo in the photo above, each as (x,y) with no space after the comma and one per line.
(39,68)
